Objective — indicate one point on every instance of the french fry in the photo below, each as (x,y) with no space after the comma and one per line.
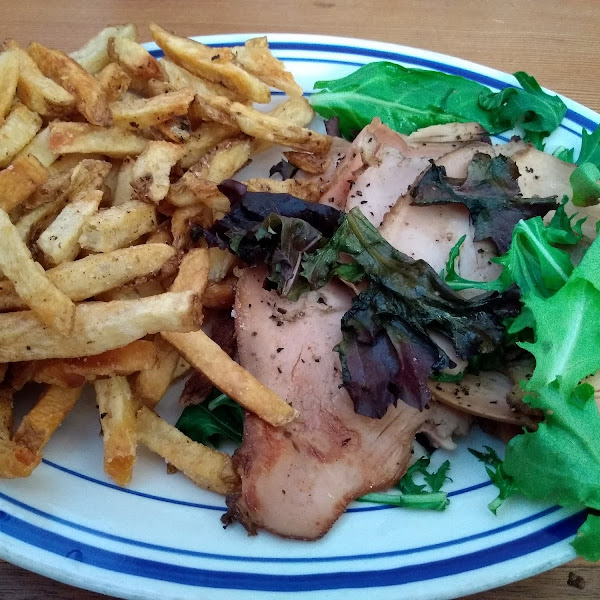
(114,80)
(181,370)
(145,112)
(207,468)
(40,423)
(117,417)
(192,189)
(150,177)
(9,77)
(205,62)
(221,263)
(39,147)
(60,241)
(193,272)
(3,370)
(304,189)
(225,160)
(98,273)
(180,78)
(136,61)
(90,97)
(296,110)
(263,126)
(314,164)
(206,137)
(221,294)
(232,379)
(19,180)
(184,218)
(74,372)
(50,305)
(115,142)
(118,226)
(16,132)
(123,190)
(150,385)
(256,58)
(36,220)
(93,57)
(36,91)
(20,374)
(6,413)
(176,129)
(99,326)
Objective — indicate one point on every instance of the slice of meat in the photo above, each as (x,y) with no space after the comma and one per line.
(298,479)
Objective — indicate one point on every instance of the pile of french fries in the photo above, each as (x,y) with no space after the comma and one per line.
(107,158)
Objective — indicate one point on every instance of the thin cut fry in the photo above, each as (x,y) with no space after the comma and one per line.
(257,59)
(193,272)
(221,294)
(74,372)
(150,385)
(90,97)
(117,417)
(150,177)
(114,80)
(39,147)
(19,180)
(40,423)
(34,221)
(118,226)
(16,132)
(60,241)
(137,62)
(176,129)
(115,142)
(206,137)
(99,326)
(9,76)
(93,57)
(6,413)
(204,61)
(192,189)
(304,189)
(232,379)
(225,160)
(208,468)
(51,305)
(146,112)
(123,190)
(314,164)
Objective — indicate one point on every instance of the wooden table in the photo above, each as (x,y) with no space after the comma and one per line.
(556,40)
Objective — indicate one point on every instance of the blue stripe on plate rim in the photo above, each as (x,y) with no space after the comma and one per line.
(151,569)
(557,532)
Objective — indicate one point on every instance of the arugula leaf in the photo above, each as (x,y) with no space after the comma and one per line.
(561,229)
(414,495)
(590,147)
(586,543)
(537,112)
(408,99)
(565,154)
(497,474)
(585,182)
(217,418)
(490,192)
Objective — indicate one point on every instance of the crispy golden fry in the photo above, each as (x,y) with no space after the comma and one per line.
(16,132)
(146,112)
(137,62)
(175,130)
(193,272)
(9,76)
(39,147)
(117,417)
(221,294)
(192,189)
(118,226)
(180,78)
(232,379)
(150,385)
(60,241)
(6,413)
(150,177)
(99,326)
(40,423)
(304,189)
(225,160)
(263,126)
(152,287)
(115,142)
(257,59)
(38,92)
(19,180)
(50,305)
(183,219)
(20,373)
(205,62)
(90,97)
(123,190)
(98,273)
(207,468)
(114,80)
(206,137)
(315,164)
(36,220)
(93,57)
(221,263)
(74,372)
(181,370)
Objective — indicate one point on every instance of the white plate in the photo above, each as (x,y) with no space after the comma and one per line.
(162,538)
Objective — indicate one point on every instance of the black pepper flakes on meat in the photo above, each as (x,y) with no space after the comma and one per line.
(282,311)
(279,350)
(279,323)
(279,370)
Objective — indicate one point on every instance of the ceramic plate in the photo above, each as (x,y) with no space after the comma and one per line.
(162,538)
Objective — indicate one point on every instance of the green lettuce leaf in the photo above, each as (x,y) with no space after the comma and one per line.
(497,474)
(586,543)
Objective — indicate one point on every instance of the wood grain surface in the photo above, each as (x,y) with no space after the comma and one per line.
(555,40)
